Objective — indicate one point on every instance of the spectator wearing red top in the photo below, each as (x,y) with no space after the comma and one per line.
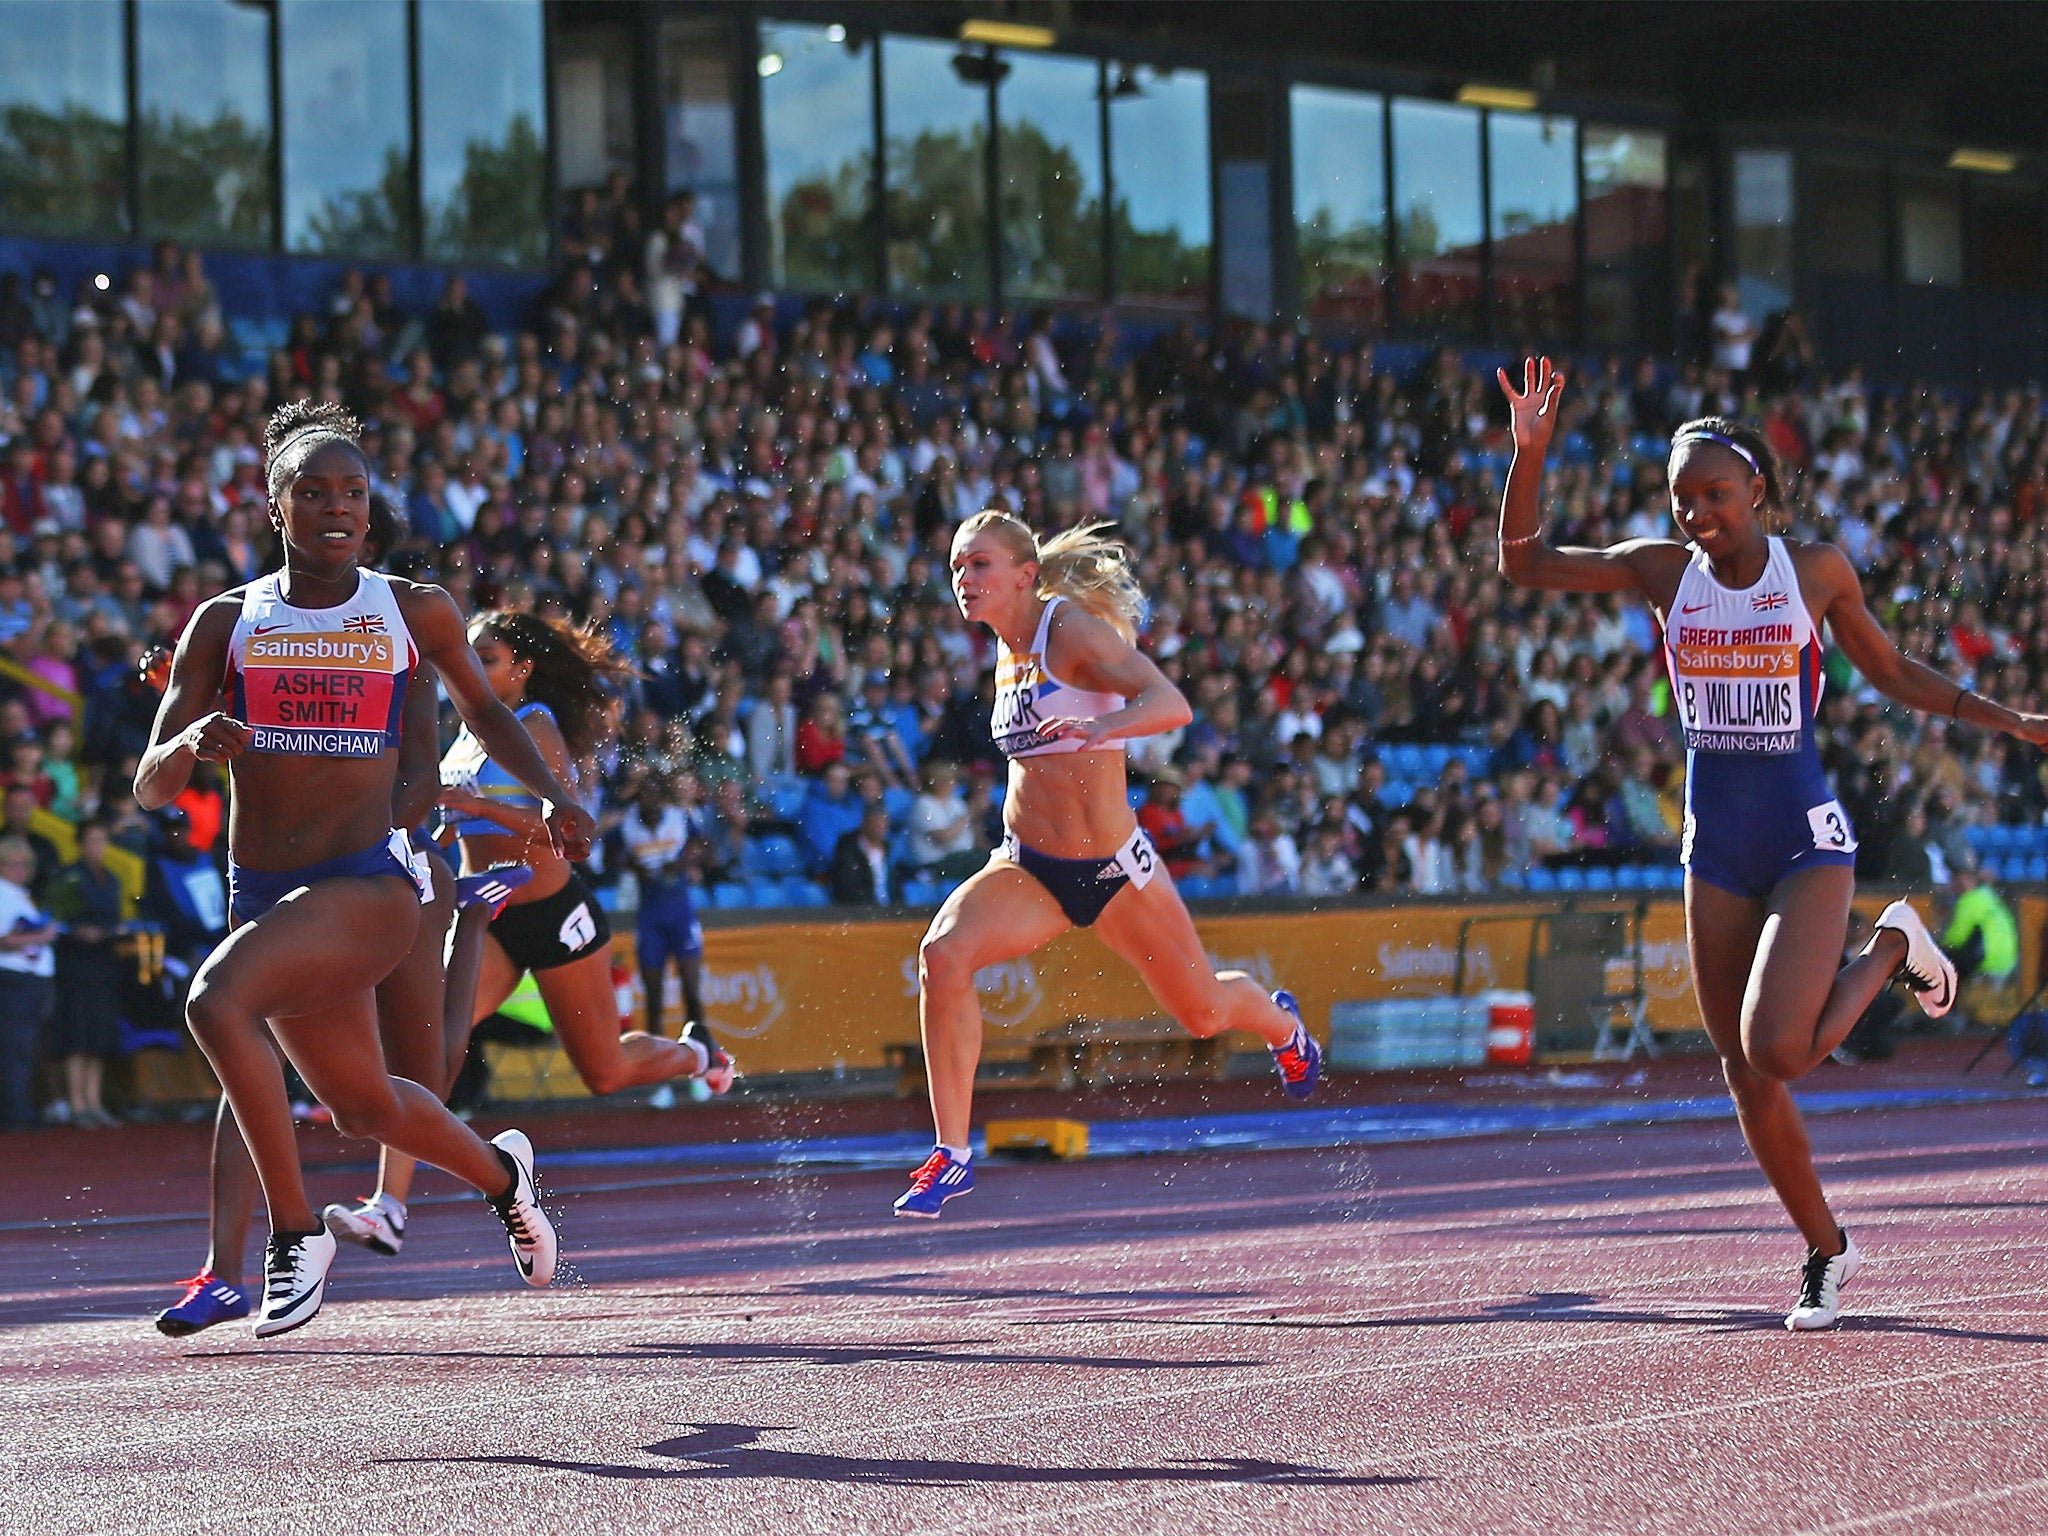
(1179,844)
(821,738)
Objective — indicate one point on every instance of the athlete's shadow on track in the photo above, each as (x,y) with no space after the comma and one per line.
(931,1285)
(1583,1307)
(733,1451)
(938,1352)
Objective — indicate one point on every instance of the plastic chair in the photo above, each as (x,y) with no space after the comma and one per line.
(731,897)
(1541,881)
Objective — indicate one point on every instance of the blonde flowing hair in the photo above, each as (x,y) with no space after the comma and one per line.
(1082,564)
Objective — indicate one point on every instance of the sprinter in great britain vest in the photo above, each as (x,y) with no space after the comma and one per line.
(1746,681)
(321,682)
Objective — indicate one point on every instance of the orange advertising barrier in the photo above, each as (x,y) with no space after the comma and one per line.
(812,996)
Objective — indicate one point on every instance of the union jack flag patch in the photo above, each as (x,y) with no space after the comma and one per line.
(1763,602)
(364,624)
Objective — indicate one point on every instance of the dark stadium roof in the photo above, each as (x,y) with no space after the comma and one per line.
(1957,70)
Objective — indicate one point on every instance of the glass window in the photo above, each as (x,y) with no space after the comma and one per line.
(63,119)
(1159,169)
(1931,230)
(483,126)
(1438,221)
(937,169)
(204,78)
(1340,203)
(1533,220)
(593,103)
(818,121)
(1845,215)
(700,137)
(1051,126)
(1763,229)
(347,127)
(1627,254)
(2005,237)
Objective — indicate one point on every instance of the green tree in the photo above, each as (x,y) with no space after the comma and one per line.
(824,230)
(496,212)
(366,221)
(62,173)
(206,181)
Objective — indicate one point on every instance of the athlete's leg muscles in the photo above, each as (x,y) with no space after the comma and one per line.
(1152,931)
(321,943)
(585,1011)
(1723,931)
(999,914)
(1802,1001)
(480,977)
(411,1002)
(232,1191)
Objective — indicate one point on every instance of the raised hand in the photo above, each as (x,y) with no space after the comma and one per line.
(1532,410)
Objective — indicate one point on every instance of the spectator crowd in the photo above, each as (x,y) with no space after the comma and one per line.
(758,512)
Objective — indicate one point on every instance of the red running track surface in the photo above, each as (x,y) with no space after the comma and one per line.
(1548,1335)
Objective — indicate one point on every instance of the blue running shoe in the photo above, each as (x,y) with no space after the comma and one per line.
(1300,1060)
(491,887)
(207,1300)
(938,1179)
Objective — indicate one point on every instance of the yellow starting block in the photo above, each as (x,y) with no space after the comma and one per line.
(1064,1139)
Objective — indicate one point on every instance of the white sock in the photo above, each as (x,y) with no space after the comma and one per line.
(958,1154)
(700,1055)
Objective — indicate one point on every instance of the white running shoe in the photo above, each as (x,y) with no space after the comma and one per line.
(378,1224)
(294,1280)
(1820,1287)
(1925,969)
(532,1234)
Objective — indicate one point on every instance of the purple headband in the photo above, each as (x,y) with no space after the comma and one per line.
(1705,435)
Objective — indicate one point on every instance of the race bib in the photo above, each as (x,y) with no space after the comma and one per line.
(1831,832)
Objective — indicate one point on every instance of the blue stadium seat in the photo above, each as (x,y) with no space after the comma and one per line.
(765,893)
(1647,445)
(921,893)
(1541,881)
(1434,757)
(786,796)
(1600,878)
(1979,838)
(948,887)
(1403,760)
(1511,880)
(896,801)
(1571,879)
(1136,795)
(1477,760)
(1632,877)
(805,893)
(781,856)
(731,897)
(1202,888)
(1671,877)
(2037,868)
(1396,792)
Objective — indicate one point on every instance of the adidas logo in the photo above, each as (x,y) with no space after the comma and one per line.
(1110,871)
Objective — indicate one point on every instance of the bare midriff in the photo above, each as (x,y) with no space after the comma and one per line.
(1072,805)
(288,812)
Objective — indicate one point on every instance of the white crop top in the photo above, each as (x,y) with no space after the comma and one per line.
(320,682)
(1028,694)
(1745,665)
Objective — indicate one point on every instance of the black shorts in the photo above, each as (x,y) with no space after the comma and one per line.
(554,930)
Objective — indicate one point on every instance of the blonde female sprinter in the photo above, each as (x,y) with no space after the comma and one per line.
(1071,689)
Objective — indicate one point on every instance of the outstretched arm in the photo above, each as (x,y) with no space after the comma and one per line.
(1899,677)
(1527,557)
(189,729)
(437,628)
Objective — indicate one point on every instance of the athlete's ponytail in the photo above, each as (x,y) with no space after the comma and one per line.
(1081,564)
(572,672)
(1748,444)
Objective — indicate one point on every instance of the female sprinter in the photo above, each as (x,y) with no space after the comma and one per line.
(551,679)
(412,1002)
(1071,689)
(1769,855)
(314,660)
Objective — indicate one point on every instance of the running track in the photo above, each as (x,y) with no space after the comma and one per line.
(1551,1334)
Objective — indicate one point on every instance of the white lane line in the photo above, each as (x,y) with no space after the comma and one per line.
(1971,1500)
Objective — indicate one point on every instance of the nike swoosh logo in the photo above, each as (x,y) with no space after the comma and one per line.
(1695,608)
(274,628)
